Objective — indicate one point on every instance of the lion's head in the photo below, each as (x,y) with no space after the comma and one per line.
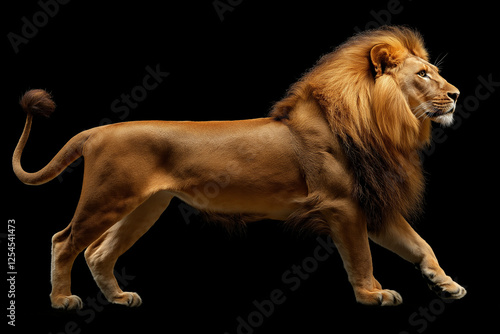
(427,93)
(379,93)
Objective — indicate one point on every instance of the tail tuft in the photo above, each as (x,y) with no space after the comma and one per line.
(37,102)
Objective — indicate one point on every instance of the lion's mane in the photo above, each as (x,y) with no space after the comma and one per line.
(370,116)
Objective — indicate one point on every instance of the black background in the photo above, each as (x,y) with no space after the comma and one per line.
(194,278)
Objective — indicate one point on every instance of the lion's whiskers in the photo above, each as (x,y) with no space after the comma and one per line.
(421,111)
(439,60)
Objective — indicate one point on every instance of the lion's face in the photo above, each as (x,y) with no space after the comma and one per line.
(429,94)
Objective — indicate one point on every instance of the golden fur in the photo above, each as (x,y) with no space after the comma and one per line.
(338,154)
(379,132)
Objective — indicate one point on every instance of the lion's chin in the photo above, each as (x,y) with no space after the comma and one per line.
(444,120)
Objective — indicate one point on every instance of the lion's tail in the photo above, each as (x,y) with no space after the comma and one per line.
(39,102)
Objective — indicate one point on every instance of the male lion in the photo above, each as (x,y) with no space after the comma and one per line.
(340,153)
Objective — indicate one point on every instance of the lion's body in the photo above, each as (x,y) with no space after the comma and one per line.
(339,155)
(204,163)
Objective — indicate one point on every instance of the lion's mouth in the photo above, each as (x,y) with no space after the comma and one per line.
(440,110)
(441,115)
(435,110)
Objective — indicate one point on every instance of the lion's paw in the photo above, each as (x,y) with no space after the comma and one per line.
(451,290)
(72,302)
(130,299)
(443,285)
(378,297)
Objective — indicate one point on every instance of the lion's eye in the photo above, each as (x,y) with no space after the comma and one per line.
(422,73)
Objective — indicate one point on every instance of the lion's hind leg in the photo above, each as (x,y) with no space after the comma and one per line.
(63,256)
(92,218)
(103,253)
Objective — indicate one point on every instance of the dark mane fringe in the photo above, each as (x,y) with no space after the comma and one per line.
(385,187)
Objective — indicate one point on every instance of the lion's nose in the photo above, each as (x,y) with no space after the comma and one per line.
(454,95)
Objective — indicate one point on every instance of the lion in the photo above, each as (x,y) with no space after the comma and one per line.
(338,154)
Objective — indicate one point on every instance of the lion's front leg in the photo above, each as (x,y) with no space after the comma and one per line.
(399,237)
(349,232)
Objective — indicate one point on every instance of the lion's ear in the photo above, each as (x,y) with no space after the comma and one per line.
(384,56)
